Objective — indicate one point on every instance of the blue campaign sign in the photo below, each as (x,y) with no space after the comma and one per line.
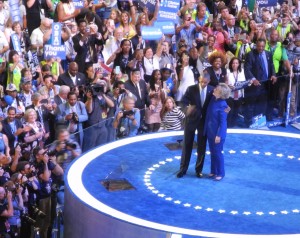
(16,43)
(168,10)
(150,4)
(51,51)
(266,3)
(166,27)
(56,34)
(78,3)
(151,33)
(14,10)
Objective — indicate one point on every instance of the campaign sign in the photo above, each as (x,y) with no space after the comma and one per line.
(33,62)
(14,10)
(51,51)
(258,121)
(266,3)
(16,43)
(166,27)
(56,34)
(149,4)
(151,33)
(78,3)
(168,10)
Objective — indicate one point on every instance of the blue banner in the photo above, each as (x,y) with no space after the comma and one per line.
(151,33)
(168,10)
(14,10)
(266,3)
(56,34)
(166,27)
(51,51)
(78,3)
(258,121)
(16,43)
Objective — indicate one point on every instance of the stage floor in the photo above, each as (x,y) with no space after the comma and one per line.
(260,194)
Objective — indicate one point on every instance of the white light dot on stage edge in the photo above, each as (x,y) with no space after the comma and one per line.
(74,182)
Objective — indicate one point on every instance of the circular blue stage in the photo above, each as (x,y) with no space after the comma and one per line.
(259,196)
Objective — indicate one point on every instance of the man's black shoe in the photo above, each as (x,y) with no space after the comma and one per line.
(199,175)
(180,174)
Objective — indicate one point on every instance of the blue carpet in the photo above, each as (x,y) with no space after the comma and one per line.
(260,193)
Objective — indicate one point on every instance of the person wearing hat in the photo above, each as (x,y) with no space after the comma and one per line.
(196,99)
(26,91)
(17,103)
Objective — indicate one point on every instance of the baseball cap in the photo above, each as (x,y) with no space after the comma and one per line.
(11,87)
(8,99)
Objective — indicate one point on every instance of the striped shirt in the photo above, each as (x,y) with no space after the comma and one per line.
(172,120)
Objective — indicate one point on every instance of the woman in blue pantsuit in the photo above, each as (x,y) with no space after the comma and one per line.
(215,129)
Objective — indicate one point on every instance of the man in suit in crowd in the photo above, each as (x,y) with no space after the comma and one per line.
(259,68)
(138,88)
(84,44)
(61,97)
(197,98)
(72,77)
(12,127)
(72,114)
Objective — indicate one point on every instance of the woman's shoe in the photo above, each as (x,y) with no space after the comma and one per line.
(218,178)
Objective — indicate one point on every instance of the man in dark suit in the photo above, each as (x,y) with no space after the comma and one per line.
(197,98)
(138,88)
(12,127)
(259,68)
(84,44)
(72,77)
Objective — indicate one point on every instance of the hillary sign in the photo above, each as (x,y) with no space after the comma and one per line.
(78,4)
(14,10)
(151,33)
(51,51)
(168,10)
(266,3)
(167,27)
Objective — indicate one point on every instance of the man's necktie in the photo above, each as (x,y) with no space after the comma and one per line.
(265,76)
(202,95)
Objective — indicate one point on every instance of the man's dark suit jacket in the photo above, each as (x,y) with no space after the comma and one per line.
(7,131)
(57,100)
(82,50)
(196,113)
(254,69)
(65,79)
(143,100)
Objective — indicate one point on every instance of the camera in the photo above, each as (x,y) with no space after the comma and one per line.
(127,113)
(75,117)
(122,90)
(71,144)
(38,212)
(22,145)
(28,219)
(96,89)
(286,41)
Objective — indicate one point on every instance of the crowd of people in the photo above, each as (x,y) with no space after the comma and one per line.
(113,84)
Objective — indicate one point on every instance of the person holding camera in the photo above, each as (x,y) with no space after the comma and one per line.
(127,119)
(84,45)
(6,210)
(45,165)
(98,105)
(71,115)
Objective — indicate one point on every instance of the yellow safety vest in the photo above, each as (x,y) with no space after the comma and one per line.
(287,30)
(238,47)
(277,55)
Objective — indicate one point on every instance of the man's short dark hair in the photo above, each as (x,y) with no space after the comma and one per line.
(71,93)
(36,150)
(81,21)
(117,83)
(11,108)
(48,76)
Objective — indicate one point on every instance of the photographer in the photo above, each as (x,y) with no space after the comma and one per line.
(97,105)
(6,210)
(44,167)
(127,120)
(71,115)
(120,93)
(18,206)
